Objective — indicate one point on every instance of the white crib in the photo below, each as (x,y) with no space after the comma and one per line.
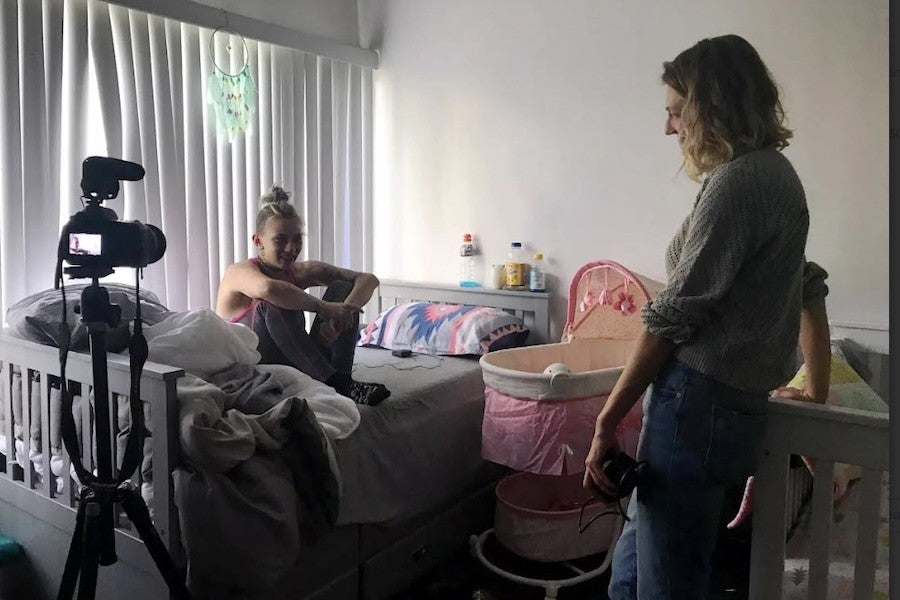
(27,366)
(830,435)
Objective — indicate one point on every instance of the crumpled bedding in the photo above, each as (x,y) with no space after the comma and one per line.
(258,476)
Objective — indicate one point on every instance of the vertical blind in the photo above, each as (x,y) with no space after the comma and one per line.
(83,77)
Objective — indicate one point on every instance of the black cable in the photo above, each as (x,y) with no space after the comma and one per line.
(440,361)
(583,527)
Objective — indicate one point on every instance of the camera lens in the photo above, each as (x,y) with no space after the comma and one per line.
(156,244)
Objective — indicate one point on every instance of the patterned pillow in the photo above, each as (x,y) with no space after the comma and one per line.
(450,329)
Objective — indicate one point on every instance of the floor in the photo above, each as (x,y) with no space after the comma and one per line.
(465,578)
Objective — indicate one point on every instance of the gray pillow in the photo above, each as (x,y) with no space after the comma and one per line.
(37,317)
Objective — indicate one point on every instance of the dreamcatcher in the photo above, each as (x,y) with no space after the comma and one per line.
(232,94)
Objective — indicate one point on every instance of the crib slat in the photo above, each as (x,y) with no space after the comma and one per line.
(820,529)
(767,549)
(8,423)
(28,479)
(113,431)
(867,534)
(47,481)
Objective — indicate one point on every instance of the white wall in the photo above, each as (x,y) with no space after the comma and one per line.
(543,122)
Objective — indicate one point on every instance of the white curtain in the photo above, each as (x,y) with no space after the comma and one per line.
(134,86)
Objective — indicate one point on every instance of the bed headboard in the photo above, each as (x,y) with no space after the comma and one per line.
(532,307)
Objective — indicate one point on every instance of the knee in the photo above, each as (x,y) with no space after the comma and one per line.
(337,291)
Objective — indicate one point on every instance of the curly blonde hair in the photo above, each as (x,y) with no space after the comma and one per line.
(731,103)
(276,203)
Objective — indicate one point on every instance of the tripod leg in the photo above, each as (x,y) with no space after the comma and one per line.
(73,559)
(137,511)
(87,587)
(107,535)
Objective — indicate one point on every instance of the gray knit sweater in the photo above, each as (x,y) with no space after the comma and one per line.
(738,277)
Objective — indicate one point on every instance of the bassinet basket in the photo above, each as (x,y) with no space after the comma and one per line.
(541,403)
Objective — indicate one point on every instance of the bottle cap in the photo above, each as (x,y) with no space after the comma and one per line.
(467,237)
(516,244)
(538,256)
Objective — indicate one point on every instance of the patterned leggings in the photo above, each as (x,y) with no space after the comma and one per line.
(283,339)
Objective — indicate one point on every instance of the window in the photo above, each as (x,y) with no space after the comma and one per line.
(122,83)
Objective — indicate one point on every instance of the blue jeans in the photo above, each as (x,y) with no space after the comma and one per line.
(698,437)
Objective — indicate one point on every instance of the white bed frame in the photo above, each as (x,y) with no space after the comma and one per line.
(21,494)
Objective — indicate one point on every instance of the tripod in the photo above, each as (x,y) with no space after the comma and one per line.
(93,542)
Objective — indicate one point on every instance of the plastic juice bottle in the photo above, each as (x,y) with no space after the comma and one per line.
(515,267)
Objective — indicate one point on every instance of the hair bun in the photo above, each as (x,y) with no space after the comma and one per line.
(276,194)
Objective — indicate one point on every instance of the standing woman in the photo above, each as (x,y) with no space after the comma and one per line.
(268,294)
(724,331)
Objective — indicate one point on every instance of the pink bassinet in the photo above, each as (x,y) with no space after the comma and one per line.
(541,403)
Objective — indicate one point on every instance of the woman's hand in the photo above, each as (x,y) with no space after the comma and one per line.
(603,446)
(796,394)
(338,317)
(340,314)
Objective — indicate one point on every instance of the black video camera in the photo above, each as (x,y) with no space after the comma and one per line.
(94,240)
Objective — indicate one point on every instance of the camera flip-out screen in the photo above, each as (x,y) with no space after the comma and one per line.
(86,243)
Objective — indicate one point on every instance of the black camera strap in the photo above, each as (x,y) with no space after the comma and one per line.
(138,353)
(66,419)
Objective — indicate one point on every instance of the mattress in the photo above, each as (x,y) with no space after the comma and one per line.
(421,447)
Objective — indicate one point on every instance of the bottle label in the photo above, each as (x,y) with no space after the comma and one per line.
(467,250)
(537,280)
(515,274)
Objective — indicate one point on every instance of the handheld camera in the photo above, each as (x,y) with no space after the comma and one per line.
(625,473)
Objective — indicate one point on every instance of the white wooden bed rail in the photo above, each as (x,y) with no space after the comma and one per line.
(532,307)
(830,435)
(29,365)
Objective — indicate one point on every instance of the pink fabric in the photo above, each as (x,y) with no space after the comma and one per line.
(550,438)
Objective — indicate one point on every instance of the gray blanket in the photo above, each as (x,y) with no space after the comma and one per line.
(258,479)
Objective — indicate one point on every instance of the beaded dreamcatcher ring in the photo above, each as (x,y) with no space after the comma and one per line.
(232,94)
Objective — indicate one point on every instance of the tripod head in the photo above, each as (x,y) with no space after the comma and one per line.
(96,309)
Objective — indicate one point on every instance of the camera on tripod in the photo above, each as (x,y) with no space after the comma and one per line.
(94,241)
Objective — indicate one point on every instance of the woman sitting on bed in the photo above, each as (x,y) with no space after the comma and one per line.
(267,294)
